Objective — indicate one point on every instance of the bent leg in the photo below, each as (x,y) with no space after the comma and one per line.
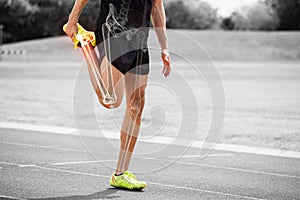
(114,82)
(106,80)
(135,86)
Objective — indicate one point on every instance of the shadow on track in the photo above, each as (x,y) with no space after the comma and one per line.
(109,193)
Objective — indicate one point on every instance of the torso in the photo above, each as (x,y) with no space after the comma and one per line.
(128,13)
(126,24)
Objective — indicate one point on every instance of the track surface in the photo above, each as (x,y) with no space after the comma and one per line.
(36,165)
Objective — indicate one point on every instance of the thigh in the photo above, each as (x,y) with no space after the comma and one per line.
(135,86)
(117,79)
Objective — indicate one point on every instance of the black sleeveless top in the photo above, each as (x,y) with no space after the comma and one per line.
(129,14)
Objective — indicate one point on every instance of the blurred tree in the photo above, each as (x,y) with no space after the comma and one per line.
(13,15)
(90,14)
(31,19)
(262,17)
(240,21)
(50,16)
(227,24)
(204,16)
(177,15)
(288,12)
(45,3)
(191,15)
(256,17)
(58,11)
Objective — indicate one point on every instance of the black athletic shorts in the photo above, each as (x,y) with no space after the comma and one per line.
(126,55)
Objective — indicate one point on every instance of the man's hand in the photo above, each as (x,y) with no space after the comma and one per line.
(71,30)
(167,63)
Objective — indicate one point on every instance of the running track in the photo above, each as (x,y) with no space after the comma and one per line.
(35,165)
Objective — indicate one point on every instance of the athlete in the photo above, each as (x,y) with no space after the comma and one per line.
(122,35)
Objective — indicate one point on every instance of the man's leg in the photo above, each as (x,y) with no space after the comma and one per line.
(113,82)
(135,86)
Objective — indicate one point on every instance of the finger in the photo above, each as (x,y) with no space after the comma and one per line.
(70,35)
(166,72)
(165,63)
(73,36)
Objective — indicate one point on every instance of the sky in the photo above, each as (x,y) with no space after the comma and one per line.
(226,7)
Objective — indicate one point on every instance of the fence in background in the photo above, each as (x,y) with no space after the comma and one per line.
(10,54)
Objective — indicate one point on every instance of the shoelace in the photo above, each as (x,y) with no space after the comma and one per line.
(129,182)
(130,175)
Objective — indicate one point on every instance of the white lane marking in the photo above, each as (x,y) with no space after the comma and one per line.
(26,166)
(152,183)
(16,165)
(83,162)
(40,128)
(198,156)
(179,162)
(148,158)
(8,163)
(233,169)
(159,140)
(43,147)
(9,197)
(206,191)
(160,184)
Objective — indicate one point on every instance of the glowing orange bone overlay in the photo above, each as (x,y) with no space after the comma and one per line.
(86,40)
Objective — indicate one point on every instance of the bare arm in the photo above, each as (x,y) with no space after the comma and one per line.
(159,22)
(71,29)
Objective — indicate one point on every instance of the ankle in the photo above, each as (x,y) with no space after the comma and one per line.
(118,173)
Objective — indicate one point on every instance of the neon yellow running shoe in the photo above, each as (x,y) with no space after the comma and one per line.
(142,183)
(131,175)
(125,181)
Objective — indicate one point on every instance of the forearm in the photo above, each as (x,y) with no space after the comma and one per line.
(76,11)
(159,23)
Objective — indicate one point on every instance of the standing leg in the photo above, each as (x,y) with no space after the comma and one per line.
(135,86)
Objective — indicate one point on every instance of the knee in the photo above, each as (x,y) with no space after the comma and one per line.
(107,104)
(136,104)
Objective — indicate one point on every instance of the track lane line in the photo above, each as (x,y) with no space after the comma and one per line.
(209,155)
(9,163)
(232,168)
(152,183)
(10,197)
(82,162)
(42,147)
(160,140)
(178,162)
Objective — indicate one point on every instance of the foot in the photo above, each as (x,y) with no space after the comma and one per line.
(127,181)
(142,183)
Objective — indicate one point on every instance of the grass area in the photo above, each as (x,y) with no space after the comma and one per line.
(248,46)
(221,45)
